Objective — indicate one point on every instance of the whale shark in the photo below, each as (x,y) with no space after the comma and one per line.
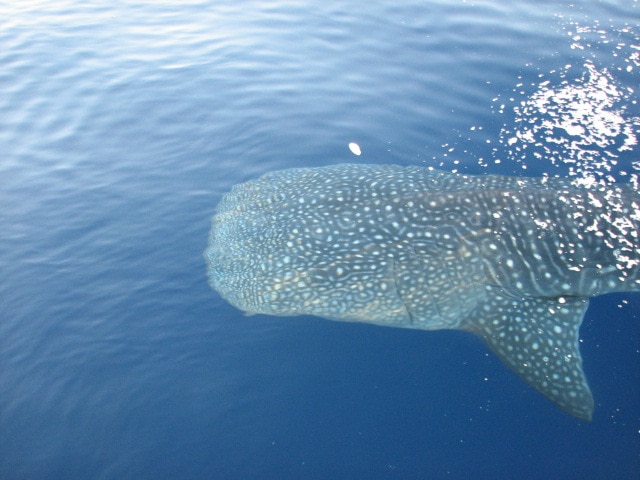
(512,260)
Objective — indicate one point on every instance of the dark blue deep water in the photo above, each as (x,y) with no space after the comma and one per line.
(122,124)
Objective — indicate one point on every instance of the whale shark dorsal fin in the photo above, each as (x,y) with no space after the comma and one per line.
(537,337)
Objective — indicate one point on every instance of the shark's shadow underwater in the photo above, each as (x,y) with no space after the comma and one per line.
(513,260)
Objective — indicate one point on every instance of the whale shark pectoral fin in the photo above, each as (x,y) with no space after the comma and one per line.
(537,337)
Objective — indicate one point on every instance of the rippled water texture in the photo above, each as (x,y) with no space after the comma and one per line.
(121,126)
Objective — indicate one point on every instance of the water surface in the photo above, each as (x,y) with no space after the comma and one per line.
(122,125)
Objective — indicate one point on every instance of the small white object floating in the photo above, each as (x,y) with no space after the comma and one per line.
(355,148)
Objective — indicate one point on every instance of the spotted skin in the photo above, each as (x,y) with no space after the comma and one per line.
(513,260)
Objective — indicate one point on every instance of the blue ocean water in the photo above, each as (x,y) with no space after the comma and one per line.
(122,124)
